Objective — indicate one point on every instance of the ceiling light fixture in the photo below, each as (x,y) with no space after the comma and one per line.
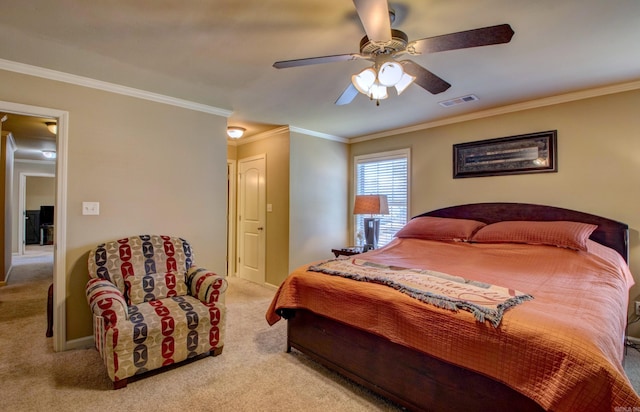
(49,154)
(373,81)
(53,127)
(235,132)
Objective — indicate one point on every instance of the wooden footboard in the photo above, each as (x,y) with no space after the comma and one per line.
(405,376)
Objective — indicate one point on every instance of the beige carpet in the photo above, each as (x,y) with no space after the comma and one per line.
(253,373)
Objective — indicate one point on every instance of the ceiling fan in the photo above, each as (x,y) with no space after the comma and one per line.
(382,45)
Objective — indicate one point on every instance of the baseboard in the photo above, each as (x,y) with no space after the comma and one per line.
(7,277)
(633,340)
(269,285)
(80,343)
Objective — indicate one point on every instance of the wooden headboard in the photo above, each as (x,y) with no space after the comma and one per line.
(609,232)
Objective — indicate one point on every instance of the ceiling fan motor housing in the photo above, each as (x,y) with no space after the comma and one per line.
(398,43)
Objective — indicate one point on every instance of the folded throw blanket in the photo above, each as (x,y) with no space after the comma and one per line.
(484,301)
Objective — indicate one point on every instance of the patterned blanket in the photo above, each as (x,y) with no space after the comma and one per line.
(484,301)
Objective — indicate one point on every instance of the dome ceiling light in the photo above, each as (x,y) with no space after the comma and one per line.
(235,132)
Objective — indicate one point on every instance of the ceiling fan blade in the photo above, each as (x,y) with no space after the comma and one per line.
(347,95)
(374,15)
(462,40)
(317,60)
(424,78)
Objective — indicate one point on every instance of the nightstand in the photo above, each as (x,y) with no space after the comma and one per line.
(347,251)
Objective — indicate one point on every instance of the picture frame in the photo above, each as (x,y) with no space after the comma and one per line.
(526,153)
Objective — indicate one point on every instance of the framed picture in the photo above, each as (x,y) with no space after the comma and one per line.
(527,153)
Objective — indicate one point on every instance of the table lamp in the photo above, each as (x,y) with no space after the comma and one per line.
(371,205)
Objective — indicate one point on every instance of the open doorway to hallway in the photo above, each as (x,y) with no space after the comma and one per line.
(30,193)
(32,190)
(59,145)
(36,212)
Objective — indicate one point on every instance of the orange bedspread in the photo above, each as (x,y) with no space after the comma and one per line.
(563,349)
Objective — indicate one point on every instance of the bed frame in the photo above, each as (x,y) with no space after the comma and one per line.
(411,378)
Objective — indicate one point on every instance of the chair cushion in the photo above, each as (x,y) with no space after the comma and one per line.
(154,286)
(162,332)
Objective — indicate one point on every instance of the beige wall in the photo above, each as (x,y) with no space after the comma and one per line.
(307,186)
(154,168)
(276,149)
(318,196)
(232,152)
(598,162)
(40,191)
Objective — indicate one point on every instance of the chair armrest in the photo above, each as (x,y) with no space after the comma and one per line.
(106,300)
(204,285)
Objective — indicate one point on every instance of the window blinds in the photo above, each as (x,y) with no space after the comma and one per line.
(385,174)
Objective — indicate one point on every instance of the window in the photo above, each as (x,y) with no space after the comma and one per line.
(385,174)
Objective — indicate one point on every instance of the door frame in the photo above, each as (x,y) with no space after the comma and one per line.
(22,202)
(231,218)
(59,249)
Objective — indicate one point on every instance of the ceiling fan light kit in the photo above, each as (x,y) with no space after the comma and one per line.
(373,83)
(383,45)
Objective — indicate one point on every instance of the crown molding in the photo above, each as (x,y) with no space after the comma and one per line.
(283,129)
(109,87)
(259,136)
(55,75)
(50,74)
(532,104)
(318,134)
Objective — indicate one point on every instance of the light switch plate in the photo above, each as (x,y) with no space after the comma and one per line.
(90,208)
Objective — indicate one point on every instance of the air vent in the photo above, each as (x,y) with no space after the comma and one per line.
(458,100)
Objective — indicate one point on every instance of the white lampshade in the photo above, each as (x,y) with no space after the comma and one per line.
(364,80)
(378,92)
(390,73)
(404,82)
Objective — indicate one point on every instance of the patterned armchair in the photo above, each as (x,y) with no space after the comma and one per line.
(152,306)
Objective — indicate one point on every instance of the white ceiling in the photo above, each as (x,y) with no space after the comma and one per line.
(220,53)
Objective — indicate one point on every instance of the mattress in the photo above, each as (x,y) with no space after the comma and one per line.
(563,348)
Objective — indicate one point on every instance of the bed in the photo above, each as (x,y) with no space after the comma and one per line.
(560,347)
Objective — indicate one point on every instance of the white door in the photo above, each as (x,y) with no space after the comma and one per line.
(251,218)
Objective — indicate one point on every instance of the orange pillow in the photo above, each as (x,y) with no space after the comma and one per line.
(440,228)
(572,235)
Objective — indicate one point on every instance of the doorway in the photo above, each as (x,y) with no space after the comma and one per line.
(252,218)
(59,248)
(36,196)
